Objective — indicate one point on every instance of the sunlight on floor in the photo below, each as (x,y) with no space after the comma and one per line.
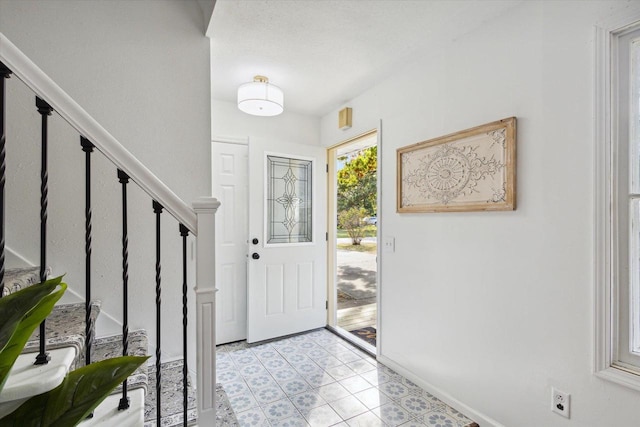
(318,379)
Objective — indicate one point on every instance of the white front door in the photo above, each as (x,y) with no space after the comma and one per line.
(230,186)
(287,245)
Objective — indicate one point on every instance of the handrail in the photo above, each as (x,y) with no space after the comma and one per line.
(23,68)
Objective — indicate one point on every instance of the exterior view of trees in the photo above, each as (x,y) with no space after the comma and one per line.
(357,192)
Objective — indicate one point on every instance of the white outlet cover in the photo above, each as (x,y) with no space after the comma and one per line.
(560,402)
(389,244)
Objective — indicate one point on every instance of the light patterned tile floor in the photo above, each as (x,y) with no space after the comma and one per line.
(318,379)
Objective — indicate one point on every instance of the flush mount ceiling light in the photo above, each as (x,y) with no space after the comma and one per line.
(260,98)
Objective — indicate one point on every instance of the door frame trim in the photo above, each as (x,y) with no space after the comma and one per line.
(332,311)
(243,141)
(231,140)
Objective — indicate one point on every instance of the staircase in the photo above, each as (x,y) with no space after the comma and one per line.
(66,341)
(161,392)
(66,345)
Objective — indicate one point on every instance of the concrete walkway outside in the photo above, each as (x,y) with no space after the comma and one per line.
(357,287)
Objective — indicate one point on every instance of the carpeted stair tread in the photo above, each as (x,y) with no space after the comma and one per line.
(20,278)
(111,346)
(172,412)
(65,327)
(225,417)
(172,396)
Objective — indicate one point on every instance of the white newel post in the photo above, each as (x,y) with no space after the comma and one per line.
(205,208)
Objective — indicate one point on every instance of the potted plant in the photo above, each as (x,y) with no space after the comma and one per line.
(81,391)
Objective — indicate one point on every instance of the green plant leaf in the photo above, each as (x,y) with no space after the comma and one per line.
(20,314)
(80,393)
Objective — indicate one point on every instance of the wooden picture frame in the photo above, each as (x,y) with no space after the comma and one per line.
(470,170)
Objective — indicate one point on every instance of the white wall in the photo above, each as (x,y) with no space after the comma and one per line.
(284,133)
(141,69)
(228,121)
(495,308)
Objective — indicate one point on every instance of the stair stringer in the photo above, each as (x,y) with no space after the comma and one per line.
(14,259)
(27,380)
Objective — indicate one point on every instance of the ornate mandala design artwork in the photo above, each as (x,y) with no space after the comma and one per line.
(288,204)
(446,175)
(498,136)
(471,170)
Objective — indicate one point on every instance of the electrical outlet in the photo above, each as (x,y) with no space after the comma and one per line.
(560,402)
(389,244)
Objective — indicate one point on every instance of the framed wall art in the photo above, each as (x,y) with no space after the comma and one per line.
(470,170)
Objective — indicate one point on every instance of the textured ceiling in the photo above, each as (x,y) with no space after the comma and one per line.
(323,53)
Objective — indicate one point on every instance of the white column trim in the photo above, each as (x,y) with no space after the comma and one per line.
(205,291)
(604,255)
(602,196)
(231,140)
(380,237)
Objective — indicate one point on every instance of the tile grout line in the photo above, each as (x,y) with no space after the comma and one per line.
(267,368)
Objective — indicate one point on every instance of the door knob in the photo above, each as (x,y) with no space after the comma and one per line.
(255,255)
(254,241)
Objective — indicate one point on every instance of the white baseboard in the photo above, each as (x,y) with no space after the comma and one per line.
(480,418)
(105,325)
(14,259)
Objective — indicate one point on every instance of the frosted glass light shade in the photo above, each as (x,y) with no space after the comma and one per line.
(260,98)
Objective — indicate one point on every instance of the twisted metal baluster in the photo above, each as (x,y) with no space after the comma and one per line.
(87,147)
(124,180)
(157,209)
(184,232)
(5,73)
(45,111)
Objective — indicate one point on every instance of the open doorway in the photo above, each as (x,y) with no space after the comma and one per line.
(353,239)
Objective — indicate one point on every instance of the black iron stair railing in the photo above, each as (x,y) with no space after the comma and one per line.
(45,110)
(87,147)
(5,73)
(157,209)
(184,232)
(124,180)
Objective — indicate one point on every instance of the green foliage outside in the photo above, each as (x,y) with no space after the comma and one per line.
(357,186)
(357,193)
(351,221)
(81,391)
(368,231)
(363,247)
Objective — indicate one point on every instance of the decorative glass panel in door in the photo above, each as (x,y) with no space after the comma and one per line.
(289,200)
